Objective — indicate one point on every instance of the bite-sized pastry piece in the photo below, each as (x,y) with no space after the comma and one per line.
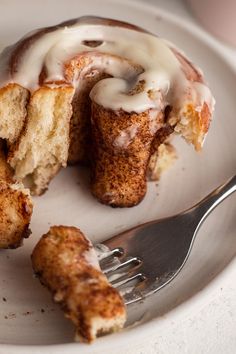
(15,207)
(65,261)
(53,74)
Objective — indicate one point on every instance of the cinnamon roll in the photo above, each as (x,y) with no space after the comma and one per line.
(98,89)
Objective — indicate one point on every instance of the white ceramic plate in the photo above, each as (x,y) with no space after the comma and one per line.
(28,317)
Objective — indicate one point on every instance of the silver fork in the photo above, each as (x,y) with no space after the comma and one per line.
(142,260)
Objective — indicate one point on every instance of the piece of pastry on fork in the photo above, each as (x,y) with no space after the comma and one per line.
(66,263)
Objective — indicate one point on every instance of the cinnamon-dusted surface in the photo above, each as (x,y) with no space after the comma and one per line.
(66,263)
(121,151)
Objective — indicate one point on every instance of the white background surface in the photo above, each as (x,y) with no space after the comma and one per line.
(213,329)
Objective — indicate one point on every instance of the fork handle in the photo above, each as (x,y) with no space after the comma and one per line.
(205,206)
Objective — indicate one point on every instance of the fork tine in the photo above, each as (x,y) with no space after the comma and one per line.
(114,263)
(111,261)
(139,277)
(130,261)
(114,260)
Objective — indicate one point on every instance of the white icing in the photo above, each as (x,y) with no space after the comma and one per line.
(158,68)
(91,258)
(125,137)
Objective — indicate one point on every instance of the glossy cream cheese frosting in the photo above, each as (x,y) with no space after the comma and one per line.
(155,66)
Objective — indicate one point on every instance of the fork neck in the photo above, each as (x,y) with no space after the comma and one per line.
(205,206)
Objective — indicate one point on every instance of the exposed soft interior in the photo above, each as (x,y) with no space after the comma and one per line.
(101,326)
(161,160)
(44,142)
(192,124)
(13,111)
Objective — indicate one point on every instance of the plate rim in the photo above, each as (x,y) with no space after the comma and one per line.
(131,332)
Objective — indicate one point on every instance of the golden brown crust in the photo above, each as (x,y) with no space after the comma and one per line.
(60,259)
(6,172)
(15,208)
(15,214)
(204,120)
(13,112)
